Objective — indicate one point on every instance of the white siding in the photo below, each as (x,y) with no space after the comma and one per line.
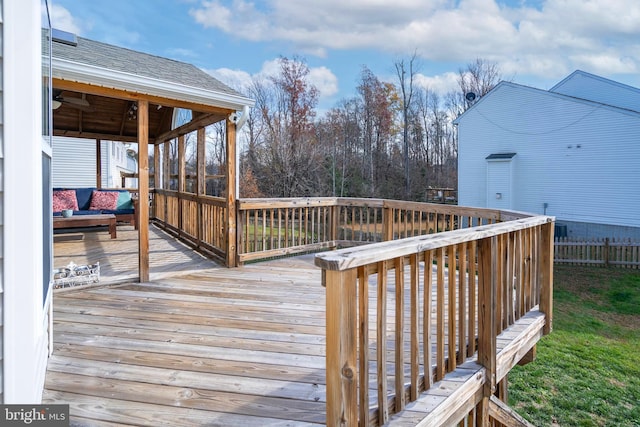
(1,214)
(24,333)
(580,158)
(587,86)
(74,162)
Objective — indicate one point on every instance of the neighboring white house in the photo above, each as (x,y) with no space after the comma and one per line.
(572,151)
(115,159)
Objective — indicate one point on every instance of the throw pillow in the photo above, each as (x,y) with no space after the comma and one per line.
(103,200)
(64,199)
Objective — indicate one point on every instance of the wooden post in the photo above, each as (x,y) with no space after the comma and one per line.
(342,385)
(606,252)
(387,224)
(182,182)
(98,164)
(232,196)
(201,188)
(143,188)
(166,180)
(546,275)
(487,289)
(334,221)
(157,183)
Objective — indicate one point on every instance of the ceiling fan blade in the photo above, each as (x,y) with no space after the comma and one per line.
(75,101)
(85,108)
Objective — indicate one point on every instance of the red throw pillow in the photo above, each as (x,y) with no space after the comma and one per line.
(103,200)
(64,199)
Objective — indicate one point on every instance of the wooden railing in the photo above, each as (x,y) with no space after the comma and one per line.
(276,227)
(448,296)
(200,220)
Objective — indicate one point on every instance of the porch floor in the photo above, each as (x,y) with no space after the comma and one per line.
(219,346)
(199,344)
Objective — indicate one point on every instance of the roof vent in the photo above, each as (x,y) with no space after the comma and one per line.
(64,37)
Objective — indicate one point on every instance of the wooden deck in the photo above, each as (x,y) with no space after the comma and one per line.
(202,344)
(118,257)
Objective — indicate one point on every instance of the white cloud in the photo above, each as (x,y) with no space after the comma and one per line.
(558,35)
(321,77)
(440,84)
(62,19)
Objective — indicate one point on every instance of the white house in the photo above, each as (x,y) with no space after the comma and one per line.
(115,159)
(572,151)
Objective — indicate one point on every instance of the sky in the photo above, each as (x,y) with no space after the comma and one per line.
(533,42)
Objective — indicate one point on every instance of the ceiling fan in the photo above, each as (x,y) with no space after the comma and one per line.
(79,103)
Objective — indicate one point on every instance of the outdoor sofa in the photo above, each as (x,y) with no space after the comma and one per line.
(95,201)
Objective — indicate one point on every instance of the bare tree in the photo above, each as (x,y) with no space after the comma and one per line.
(478,78)
(406,72)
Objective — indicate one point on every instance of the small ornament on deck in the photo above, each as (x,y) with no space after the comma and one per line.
(75,275)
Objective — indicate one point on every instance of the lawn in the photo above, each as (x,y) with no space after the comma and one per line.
(587,371)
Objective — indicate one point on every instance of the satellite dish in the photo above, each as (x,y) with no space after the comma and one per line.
(470,96)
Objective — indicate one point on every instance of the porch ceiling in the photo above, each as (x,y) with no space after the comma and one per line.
(99,86)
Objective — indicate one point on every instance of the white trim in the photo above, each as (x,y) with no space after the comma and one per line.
(83,73)
(24,334)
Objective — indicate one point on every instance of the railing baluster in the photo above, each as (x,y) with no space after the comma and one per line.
(381,344)
(399,341)
(415,331)
(363,345)
(427,341)
(440,332)
(452,308)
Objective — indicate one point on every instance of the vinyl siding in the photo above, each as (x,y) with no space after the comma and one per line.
(73,163)
(587,86)
(1,211)
(578,157)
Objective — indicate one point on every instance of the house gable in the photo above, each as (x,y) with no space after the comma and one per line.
(583,85)
(577,159)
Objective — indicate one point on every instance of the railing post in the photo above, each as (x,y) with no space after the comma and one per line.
(546,275)
(487,290)
(387,224)
(342,378)
(334,220)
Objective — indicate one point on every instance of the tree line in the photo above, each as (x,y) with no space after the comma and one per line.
(391,140)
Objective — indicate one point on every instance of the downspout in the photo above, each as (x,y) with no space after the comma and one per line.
(241,121)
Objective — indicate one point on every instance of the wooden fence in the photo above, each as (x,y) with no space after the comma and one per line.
(606,252)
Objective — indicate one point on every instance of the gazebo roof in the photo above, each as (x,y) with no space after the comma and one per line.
(98,83)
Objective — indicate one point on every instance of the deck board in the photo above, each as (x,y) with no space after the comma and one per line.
(199,344)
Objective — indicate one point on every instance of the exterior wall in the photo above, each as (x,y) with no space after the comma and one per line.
(24,314)
(81,153)
(575,160)
(600,231)
(587,86)
(1,217)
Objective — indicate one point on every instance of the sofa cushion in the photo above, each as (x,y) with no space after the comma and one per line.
(84,198)
(118,211)
(64,199)
(79,213)
(101,200)
(124,200)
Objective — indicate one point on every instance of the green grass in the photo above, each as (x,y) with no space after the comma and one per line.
(587,371)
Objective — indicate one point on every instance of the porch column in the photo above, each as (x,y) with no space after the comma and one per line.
(143,188)
(98,164)
(231,194)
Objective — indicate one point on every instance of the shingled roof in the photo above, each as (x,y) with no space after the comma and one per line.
(102,55)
